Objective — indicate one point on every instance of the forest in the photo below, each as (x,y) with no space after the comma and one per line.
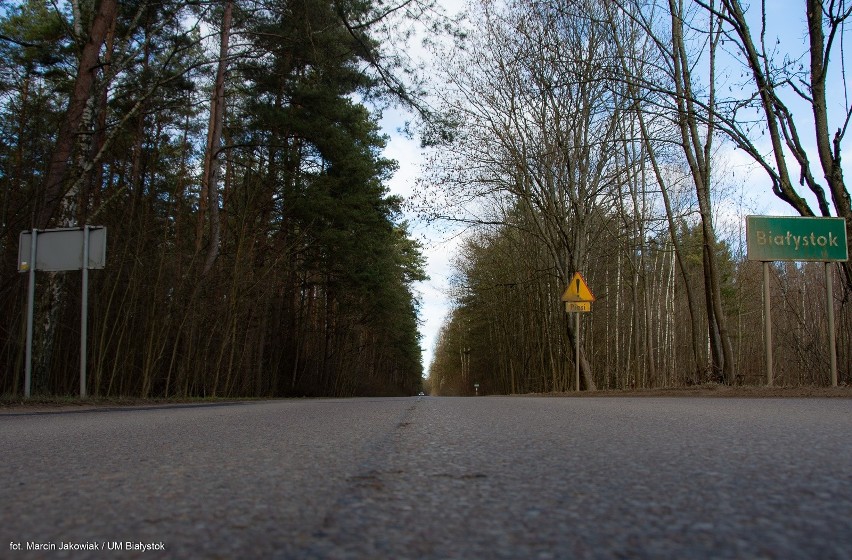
(627,140)
(232,151)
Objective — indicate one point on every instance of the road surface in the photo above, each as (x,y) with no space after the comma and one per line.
(424,477)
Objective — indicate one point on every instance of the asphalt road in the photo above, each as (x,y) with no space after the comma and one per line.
(427,477)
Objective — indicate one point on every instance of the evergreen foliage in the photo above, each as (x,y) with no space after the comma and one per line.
(311,289)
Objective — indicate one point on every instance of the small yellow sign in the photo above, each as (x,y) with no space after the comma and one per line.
(578,306)
(577,290)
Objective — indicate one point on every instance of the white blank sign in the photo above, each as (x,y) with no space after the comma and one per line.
(62,249)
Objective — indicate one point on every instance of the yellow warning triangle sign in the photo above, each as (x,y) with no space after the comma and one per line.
(577,290)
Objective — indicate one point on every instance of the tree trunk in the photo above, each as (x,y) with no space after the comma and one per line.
(57,172)
(698,155)
(210,178)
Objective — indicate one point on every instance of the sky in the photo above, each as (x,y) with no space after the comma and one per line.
(439,248)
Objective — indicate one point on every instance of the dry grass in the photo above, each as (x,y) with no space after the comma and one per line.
(68,403)
(723,391)
(62,403)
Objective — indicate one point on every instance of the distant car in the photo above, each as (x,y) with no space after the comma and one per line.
(421,394)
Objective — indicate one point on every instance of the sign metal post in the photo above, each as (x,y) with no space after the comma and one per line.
(84,312)
(832,335)
(577,351)
(28,367)
(56,250)
(767,324)
(578,299)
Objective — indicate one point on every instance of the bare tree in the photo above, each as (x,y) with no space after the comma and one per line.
(773,79)
(539,126)
(697,148)
(638,58)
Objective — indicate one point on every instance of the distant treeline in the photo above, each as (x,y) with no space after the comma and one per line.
(611,137)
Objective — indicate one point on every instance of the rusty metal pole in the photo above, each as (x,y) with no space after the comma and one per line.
(767,323)
(577,349)
(829,305)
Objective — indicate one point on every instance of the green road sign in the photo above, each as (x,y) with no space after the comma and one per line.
(784,238)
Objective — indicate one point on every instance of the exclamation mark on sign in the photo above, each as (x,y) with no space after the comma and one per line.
(578,286)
